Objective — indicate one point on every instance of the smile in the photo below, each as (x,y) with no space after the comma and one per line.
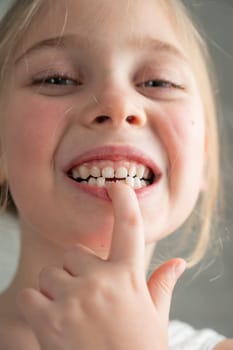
(99,173)
(94,169)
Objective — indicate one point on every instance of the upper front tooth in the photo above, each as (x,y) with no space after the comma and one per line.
(84,172)
(132,170)
(95,171)
(108,172)
(121,172)
(140,171)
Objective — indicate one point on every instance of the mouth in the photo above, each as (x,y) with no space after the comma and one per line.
(96,168)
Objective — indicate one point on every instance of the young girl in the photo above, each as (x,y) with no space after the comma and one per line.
(108,143)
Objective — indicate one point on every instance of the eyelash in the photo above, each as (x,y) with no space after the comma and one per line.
(56,76)
(152,83)
(162,83)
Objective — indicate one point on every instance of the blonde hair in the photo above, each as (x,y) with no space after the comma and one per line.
(16,22)
(197,52)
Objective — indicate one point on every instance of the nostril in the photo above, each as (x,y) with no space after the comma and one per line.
(101,119)
(131,119)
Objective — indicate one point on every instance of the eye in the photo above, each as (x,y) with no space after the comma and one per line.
(56,80)
(56,84)
(161,83)
(161,89)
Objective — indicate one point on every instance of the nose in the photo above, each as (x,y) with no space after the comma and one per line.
(115,108)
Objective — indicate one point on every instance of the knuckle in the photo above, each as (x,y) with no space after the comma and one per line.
(46,272)
(100,288)
(66,259)
(75,251)
(54,323)
(73,254)
(71,303)
(96,283)
(70,258)
(69,255)
(26,298)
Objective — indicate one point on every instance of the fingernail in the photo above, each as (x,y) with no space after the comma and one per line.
(180,267)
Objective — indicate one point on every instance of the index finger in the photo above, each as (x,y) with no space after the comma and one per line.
(128,235)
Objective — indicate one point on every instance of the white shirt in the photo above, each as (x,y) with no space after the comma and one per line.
(183,337)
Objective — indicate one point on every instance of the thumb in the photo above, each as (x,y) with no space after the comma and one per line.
(161,284)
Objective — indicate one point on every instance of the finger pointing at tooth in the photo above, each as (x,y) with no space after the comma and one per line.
(128,237)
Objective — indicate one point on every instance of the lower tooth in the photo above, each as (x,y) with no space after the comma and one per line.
(130,181)
(143,183)
(137,183)
(120,181)
(134,183)
(92,181)
(100,182)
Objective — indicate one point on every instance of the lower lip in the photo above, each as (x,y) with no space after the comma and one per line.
(101,192)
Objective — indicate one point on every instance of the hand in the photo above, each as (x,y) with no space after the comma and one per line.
(100,304)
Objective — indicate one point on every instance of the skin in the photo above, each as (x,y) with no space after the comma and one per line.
(46,126)
(165,119)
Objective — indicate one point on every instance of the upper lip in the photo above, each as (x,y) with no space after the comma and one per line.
(114,153)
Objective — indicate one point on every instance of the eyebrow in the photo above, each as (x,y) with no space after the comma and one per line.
(159,46)
(83,42)
(56,42)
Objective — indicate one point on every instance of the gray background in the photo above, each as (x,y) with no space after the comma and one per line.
(204,296)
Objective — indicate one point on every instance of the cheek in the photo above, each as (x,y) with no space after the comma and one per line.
(186,172)
(31,130)
(31,133)
(181,129)
(183,135)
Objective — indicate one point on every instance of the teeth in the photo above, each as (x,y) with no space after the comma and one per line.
(130,181)
(140,171)
(84,172)
(137,183)
(144,183)
(96,174)
(120,181)
(95,171)
(132,170)
(75,174)
(108,172)
(134,183)
(147,173)
(121,173)
(100,182)
(92,181)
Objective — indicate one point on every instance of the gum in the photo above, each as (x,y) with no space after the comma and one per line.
(107,163)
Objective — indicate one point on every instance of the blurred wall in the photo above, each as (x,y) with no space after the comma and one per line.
(204,296)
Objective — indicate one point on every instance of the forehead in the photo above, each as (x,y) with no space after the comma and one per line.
(103,21)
